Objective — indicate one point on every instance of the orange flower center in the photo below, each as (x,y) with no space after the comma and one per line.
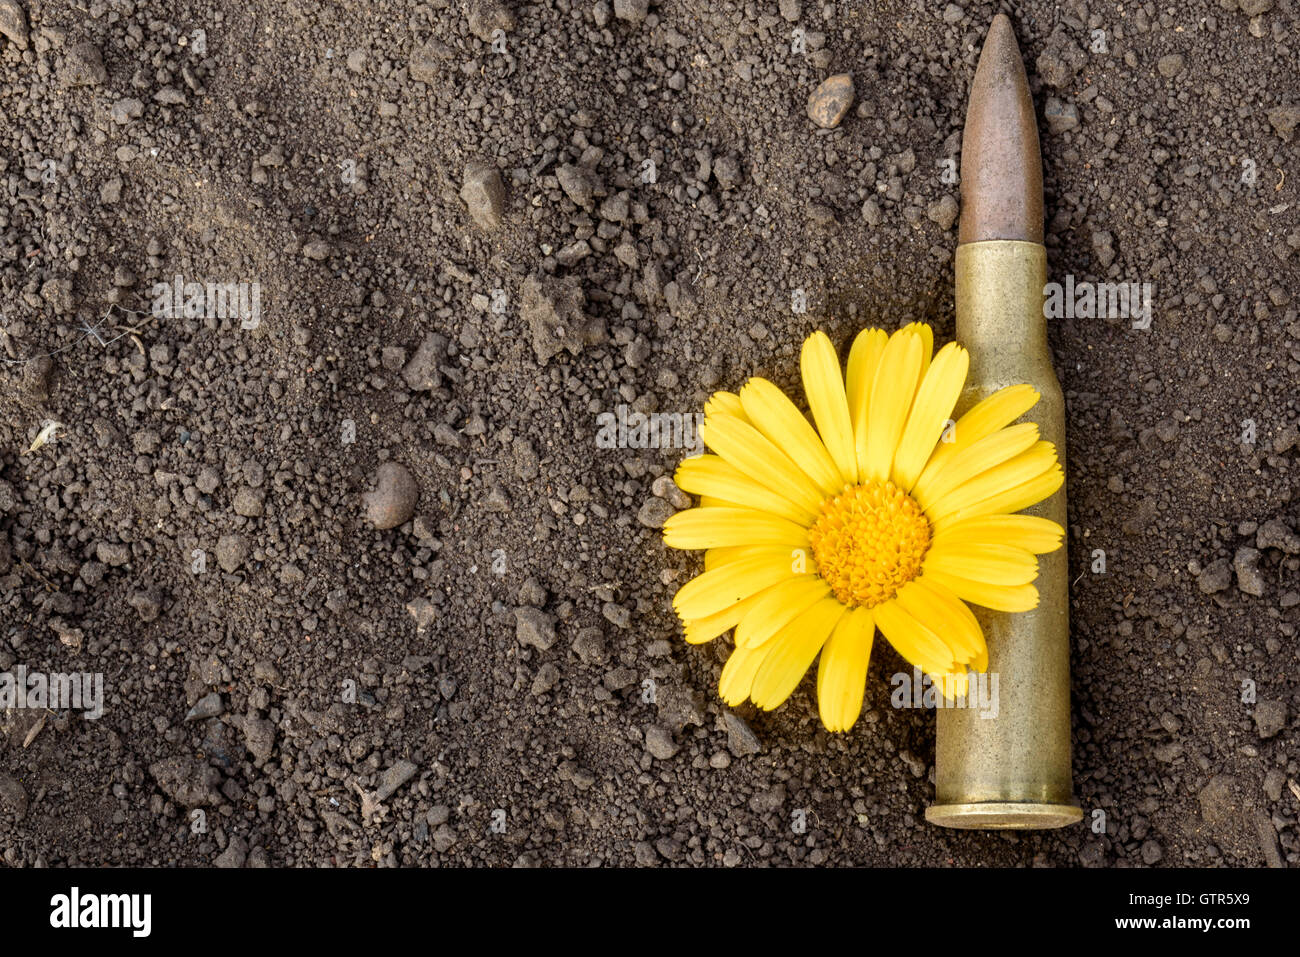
(869,541)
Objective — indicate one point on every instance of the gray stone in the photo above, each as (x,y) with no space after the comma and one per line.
(1276,534)
(1103,247)
(765,802)
(231,551)
(316,249)
(654,512)
(392,779)
(617,208)
(421,373)
(1060,61)
(208,480)
(422,610)
(1219,804)
(1273,783)
(1287,438)
(125,110)
(578,183)
(170,96)
(113,553)
(547,677)
(235,854)
(534,627)
(444,839)
(1170,65)
(209,706)
(1249,578)
(392,496)
(147,603)
(83,66)
(741,740)
(554,312)
(1152,852)
(659,742)
(485,17)
(259,736)
(249,502)
(682,298)
(679,707)
(13,795)
(1270,718)
(58,293)
(427,60)
(532,592)
(728,172)
(1284,120)
(589,646)
(1168,753)
(13,23)
(943,212)
(187,781)
(1061,117)
(1215,577)
(483,193)
(633,11)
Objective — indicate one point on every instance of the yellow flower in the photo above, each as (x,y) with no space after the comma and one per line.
(885,516)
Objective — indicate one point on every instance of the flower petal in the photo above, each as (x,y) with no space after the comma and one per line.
(791,652)
(948,617)
(1033,462)
(926,332)
(780,604)
(823,384)
(720,527)
(721,587)
(860,374)
(780,420)
(714,557)
(700,630)
(1030,532)
(984,418)
(758,457)
(891,399)
(1007,500)
(990,563)
(979,457)
(725,403)
(1011,598)
(913,640)
(842,670)
(738,674)
(714,476)
(935,399)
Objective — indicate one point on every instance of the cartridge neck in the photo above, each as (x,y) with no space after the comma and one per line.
(999,297)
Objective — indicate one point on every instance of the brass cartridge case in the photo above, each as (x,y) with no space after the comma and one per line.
(1012,770)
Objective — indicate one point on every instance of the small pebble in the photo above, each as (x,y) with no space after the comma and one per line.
(391,500)
(831,101)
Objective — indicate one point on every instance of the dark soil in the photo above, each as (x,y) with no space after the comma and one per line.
(499,679)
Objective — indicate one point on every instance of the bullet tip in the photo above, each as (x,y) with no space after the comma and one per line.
(1001,168)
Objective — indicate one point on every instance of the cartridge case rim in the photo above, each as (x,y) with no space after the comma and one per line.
(1004,815)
